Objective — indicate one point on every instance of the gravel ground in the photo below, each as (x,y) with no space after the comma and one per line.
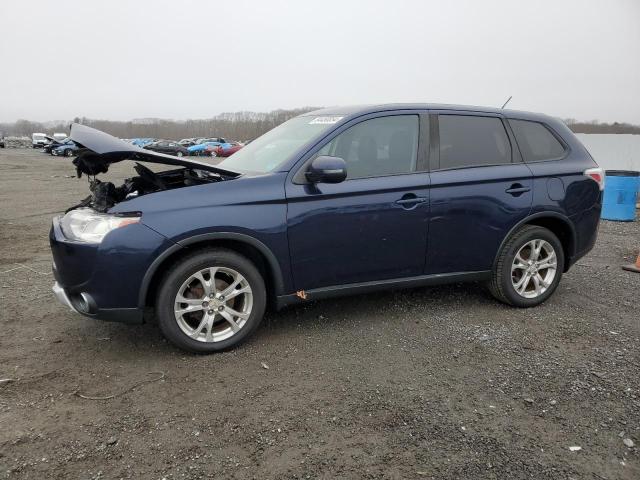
(440,383)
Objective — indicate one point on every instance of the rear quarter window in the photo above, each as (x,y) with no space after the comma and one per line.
(536,141)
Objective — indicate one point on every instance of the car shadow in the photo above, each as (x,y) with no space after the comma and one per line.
(373,307)
(370,309)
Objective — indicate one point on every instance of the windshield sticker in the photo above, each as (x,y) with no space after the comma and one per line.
(325,120)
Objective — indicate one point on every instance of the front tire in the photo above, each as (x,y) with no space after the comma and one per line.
(529,267)
(210,301)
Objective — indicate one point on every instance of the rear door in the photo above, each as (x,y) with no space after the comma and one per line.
(480,189)
(372,226)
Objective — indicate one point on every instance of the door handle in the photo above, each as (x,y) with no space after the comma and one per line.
(411,200)
(517,189)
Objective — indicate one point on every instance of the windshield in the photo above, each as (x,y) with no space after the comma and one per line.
(265,153)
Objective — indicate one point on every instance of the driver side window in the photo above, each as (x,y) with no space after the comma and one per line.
(377,147)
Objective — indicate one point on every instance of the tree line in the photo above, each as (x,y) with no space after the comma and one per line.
(598,127)
(242,126)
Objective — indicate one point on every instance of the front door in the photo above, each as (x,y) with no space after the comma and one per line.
(373,225)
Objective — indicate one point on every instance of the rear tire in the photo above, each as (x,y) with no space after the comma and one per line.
(211,324)
(523,278)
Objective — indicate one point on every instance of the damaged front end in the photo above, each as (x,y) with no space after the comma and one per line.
(99,150)
(89,279)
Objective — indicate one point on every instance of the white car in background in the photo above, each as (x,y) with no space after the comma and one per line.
(39,140)
(59,136)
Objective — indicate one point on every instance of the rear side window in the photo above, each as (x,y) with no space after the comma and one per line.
(536,141)
(470,141)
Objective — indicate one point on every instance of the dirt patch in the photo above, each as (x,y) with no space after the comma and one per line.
(440,383)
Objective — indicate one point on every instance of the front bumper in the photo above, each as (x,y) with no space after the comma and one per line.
(103,281)
(84,305)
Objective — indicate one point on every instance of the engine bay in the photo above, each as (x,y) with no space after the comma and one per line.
(105,195)
(98,151)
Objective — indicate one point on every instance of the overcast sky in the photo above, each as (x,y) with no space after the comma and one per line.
(193,59)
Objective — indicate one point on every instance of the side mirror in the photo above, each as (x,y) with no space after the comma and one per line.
(325,169)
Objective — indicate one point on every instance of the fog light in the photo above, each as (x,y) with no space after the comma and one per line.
(83,303)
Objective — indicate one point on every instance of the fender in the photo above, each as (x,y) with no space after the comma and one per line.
(555,215)
(241,237)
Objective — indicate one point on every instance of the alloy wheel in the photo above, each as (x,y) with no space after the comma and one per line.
(213,304)
(534,268)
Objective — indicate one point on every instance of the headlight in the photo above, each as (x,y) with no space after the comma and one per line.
(86,225)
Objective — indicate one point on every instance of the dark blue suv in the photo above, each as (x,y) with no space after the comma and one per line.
(333,202)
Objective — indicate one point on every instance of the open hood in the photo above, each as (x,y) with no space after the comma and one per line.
(99,150)
(55,141)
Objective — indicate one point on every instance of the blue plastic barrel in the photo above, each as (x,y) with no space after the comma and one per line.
(620,195)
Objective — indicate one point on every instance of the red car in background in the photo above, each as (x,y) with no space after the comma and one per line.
(225,149)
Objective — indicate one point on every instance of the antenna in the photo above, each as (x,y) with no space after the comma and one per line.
(508,100)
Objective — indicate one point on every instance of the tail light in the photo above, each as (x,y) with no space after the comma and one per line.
(596,174)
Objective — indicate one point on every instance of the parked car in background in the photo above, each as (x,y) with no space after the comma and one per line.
(52,143)
(39,140)
(204,146)
(141,142)
(60,136)
(225,149)
(187,142)
(167,146)
(65,149)
(212,139)
(333,202)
